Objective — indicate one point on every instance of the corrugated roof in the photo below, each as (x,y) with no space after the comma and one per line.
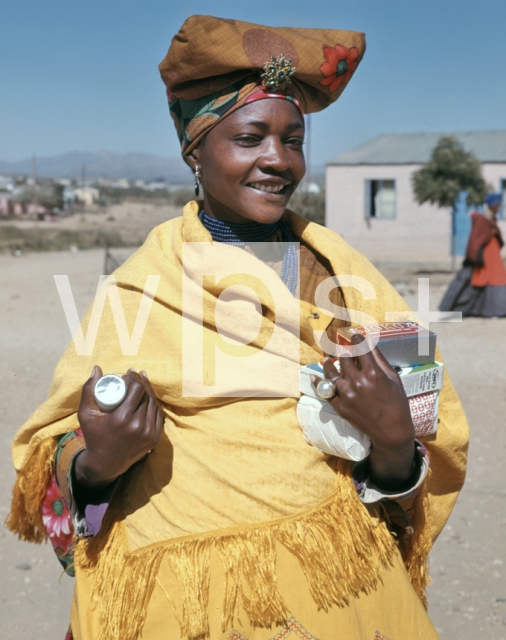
(415,148)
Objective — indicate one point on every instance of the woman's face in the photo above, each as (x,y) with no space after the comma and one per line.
(252,162)
(495,208)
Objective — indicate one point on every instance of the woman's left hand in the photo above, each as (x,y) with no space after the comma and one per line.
(370,396)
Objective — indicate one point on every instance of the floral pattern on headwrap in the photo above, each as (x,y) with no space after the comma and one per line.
(340,64)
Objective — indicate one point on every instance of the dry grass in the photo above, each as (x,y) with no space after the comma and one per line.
(119,225)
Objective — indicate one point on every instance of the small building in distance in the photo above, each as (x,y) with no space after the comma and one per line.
(87,195)
(370,199)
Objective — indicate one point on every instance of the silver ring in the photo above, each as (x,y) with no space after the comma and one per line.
(333,380)
(326,389)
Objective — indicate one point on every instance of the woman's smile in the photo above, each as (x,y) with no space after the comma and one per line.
(271,188)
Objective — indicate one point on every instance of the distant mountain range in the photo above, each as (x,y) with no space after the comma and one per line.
(103,164)
(112,166)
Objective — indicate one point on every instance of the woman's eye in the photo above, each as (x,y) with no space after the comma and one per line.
(248,139)
(296,142)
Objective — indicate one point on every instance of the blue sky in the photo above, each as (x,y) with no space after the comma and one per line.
(78,75)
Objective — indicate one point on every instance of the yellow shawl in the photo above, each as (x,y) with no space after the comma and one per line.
(232,476)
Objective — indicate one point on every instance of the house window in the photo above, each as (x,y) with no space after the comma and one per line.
(380,199)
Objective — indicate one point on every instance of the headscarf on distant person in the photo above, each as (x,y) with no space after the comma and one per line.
(493,198)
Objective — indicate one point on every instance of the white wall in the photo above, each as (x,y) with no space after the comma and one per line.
(418,233)
(494,173)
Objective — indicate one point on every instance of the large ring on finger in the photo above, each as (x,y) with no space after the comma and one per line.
(326,389)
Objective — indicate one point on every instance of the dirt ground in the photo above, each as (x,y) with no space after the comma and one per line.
(468,563)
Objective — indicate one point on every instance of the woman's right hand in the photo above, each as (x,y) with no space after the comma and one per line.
(117,440)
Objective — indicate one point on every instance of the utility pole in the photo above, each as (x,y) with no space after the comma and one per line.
(35,185)
(83,184)
(308,152)
(34,178)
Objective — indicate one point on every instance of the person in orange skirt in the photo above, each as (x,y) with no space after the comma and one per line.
(480,286)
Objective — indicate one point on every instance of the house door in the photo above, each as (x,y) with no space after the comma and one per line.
(461,223)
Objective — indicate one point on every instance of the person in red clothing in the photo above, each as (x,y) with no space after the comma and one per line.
(480,286)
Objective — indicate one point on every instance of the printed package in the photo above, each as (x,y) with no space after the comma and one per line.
(424,411)
(398,342)
(415,380)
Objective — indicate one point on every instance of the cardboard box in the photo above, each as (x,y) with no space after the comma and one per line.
(398,342)
(424,411)
(415,380)
(423,378)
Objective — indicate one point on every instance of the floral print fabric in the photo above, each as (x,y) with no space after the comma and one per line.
(340,64)
(56,516)
(193,118)
(63,519)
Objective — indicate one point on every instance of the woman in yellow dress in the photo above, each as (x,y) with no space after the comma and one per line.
(196,509)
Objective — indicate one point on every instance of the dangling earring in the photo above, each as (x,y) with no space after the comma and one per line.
(198,175)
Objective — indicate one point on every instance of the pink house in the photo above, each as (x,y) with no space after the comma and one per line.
(4,206)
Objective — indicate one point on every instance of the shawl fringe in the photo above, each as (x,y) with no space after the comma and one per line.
(415,551)
(340,548)
(25,517)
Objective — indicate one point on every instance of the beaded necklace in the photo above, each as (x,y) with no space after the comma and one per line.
(241,234)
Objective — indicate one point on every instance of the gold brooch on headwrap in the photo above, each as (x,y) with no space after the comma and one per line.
(277,73)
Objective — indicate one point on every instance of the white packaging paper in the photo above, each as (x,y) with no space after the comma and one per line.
(327,431)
